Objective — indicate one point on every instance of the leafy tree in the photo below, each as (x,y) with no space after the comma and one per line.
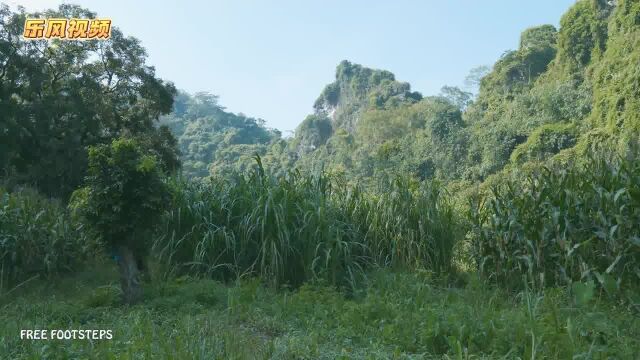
(59,97)
(456,96)
(314,131)
(123,198)
(538,37)
(583,35)
(473,79)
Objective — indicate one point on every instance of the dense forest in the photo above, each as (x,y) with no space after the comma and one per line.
(501,220)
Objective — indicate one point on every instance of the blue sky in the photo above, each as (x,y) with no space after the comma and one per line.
(271,59)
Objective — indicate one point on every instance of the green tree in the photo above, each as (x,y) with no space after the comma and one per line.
(473,79)
(59,97)
(123,197)
(456,96)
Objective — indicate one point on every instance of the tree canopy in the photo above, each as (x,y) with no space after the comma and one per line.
(59,97)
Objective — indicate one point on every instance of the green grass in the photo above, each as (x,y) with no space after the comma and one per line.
(394,315)
(301,228)
(256,266)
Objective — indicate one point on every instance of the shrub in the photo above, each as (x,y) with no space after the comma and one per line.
(545,141)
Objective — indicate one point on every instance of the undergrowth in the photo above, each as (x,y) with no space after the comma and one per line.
(394,315)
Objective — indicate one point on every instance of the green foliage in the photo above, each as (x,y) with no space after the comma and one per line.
(396,316)
(314,131)
(360,185)
(299,228)
(562,224)
(410,225)
(456,96)
(59,97)
(583,34)
(358,88)
(583,292)
(545,142)
(449,137)
(37,236)
(516,71)
(616,89)
(417,139)
(514,99)
(288,230)
(538,37)
(495,135)
(124,193)
(213,141)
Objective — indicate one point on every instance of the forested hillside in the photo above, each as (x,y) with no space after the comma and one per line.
(535,102)
(500,220)
(212,141)
(550,94)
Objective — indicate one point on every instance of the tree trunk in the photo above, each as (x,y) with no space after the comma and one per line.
(129,276)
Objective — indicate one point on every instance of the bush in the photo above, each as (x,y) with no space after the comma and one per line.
(124,195)
(545,141)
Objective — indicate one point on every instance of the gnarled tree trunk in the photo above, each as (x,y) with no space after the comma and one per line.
(129,275)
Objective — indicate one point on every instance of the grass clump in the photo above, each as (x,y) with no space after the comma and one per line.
(299,228)
(287,230)
(410,225)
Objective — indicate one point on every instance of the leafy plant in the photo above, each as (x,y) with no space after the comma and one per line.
(299,228)
(563,224)
(123,196)
(38,237)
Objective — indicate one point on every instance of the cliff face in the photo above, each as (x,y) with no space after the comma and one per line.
(356,89)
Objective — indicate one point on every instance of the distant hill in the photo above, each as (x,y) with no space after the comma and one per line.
(560,92)
(212,140)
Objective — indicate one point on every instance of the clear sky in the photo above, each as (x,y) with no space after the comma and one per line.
(271,59)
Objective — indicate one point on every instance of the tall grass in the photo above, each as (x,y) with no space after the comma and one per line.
(37,237)
(410,225)
(561,225)
(298,228)
(285,230)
